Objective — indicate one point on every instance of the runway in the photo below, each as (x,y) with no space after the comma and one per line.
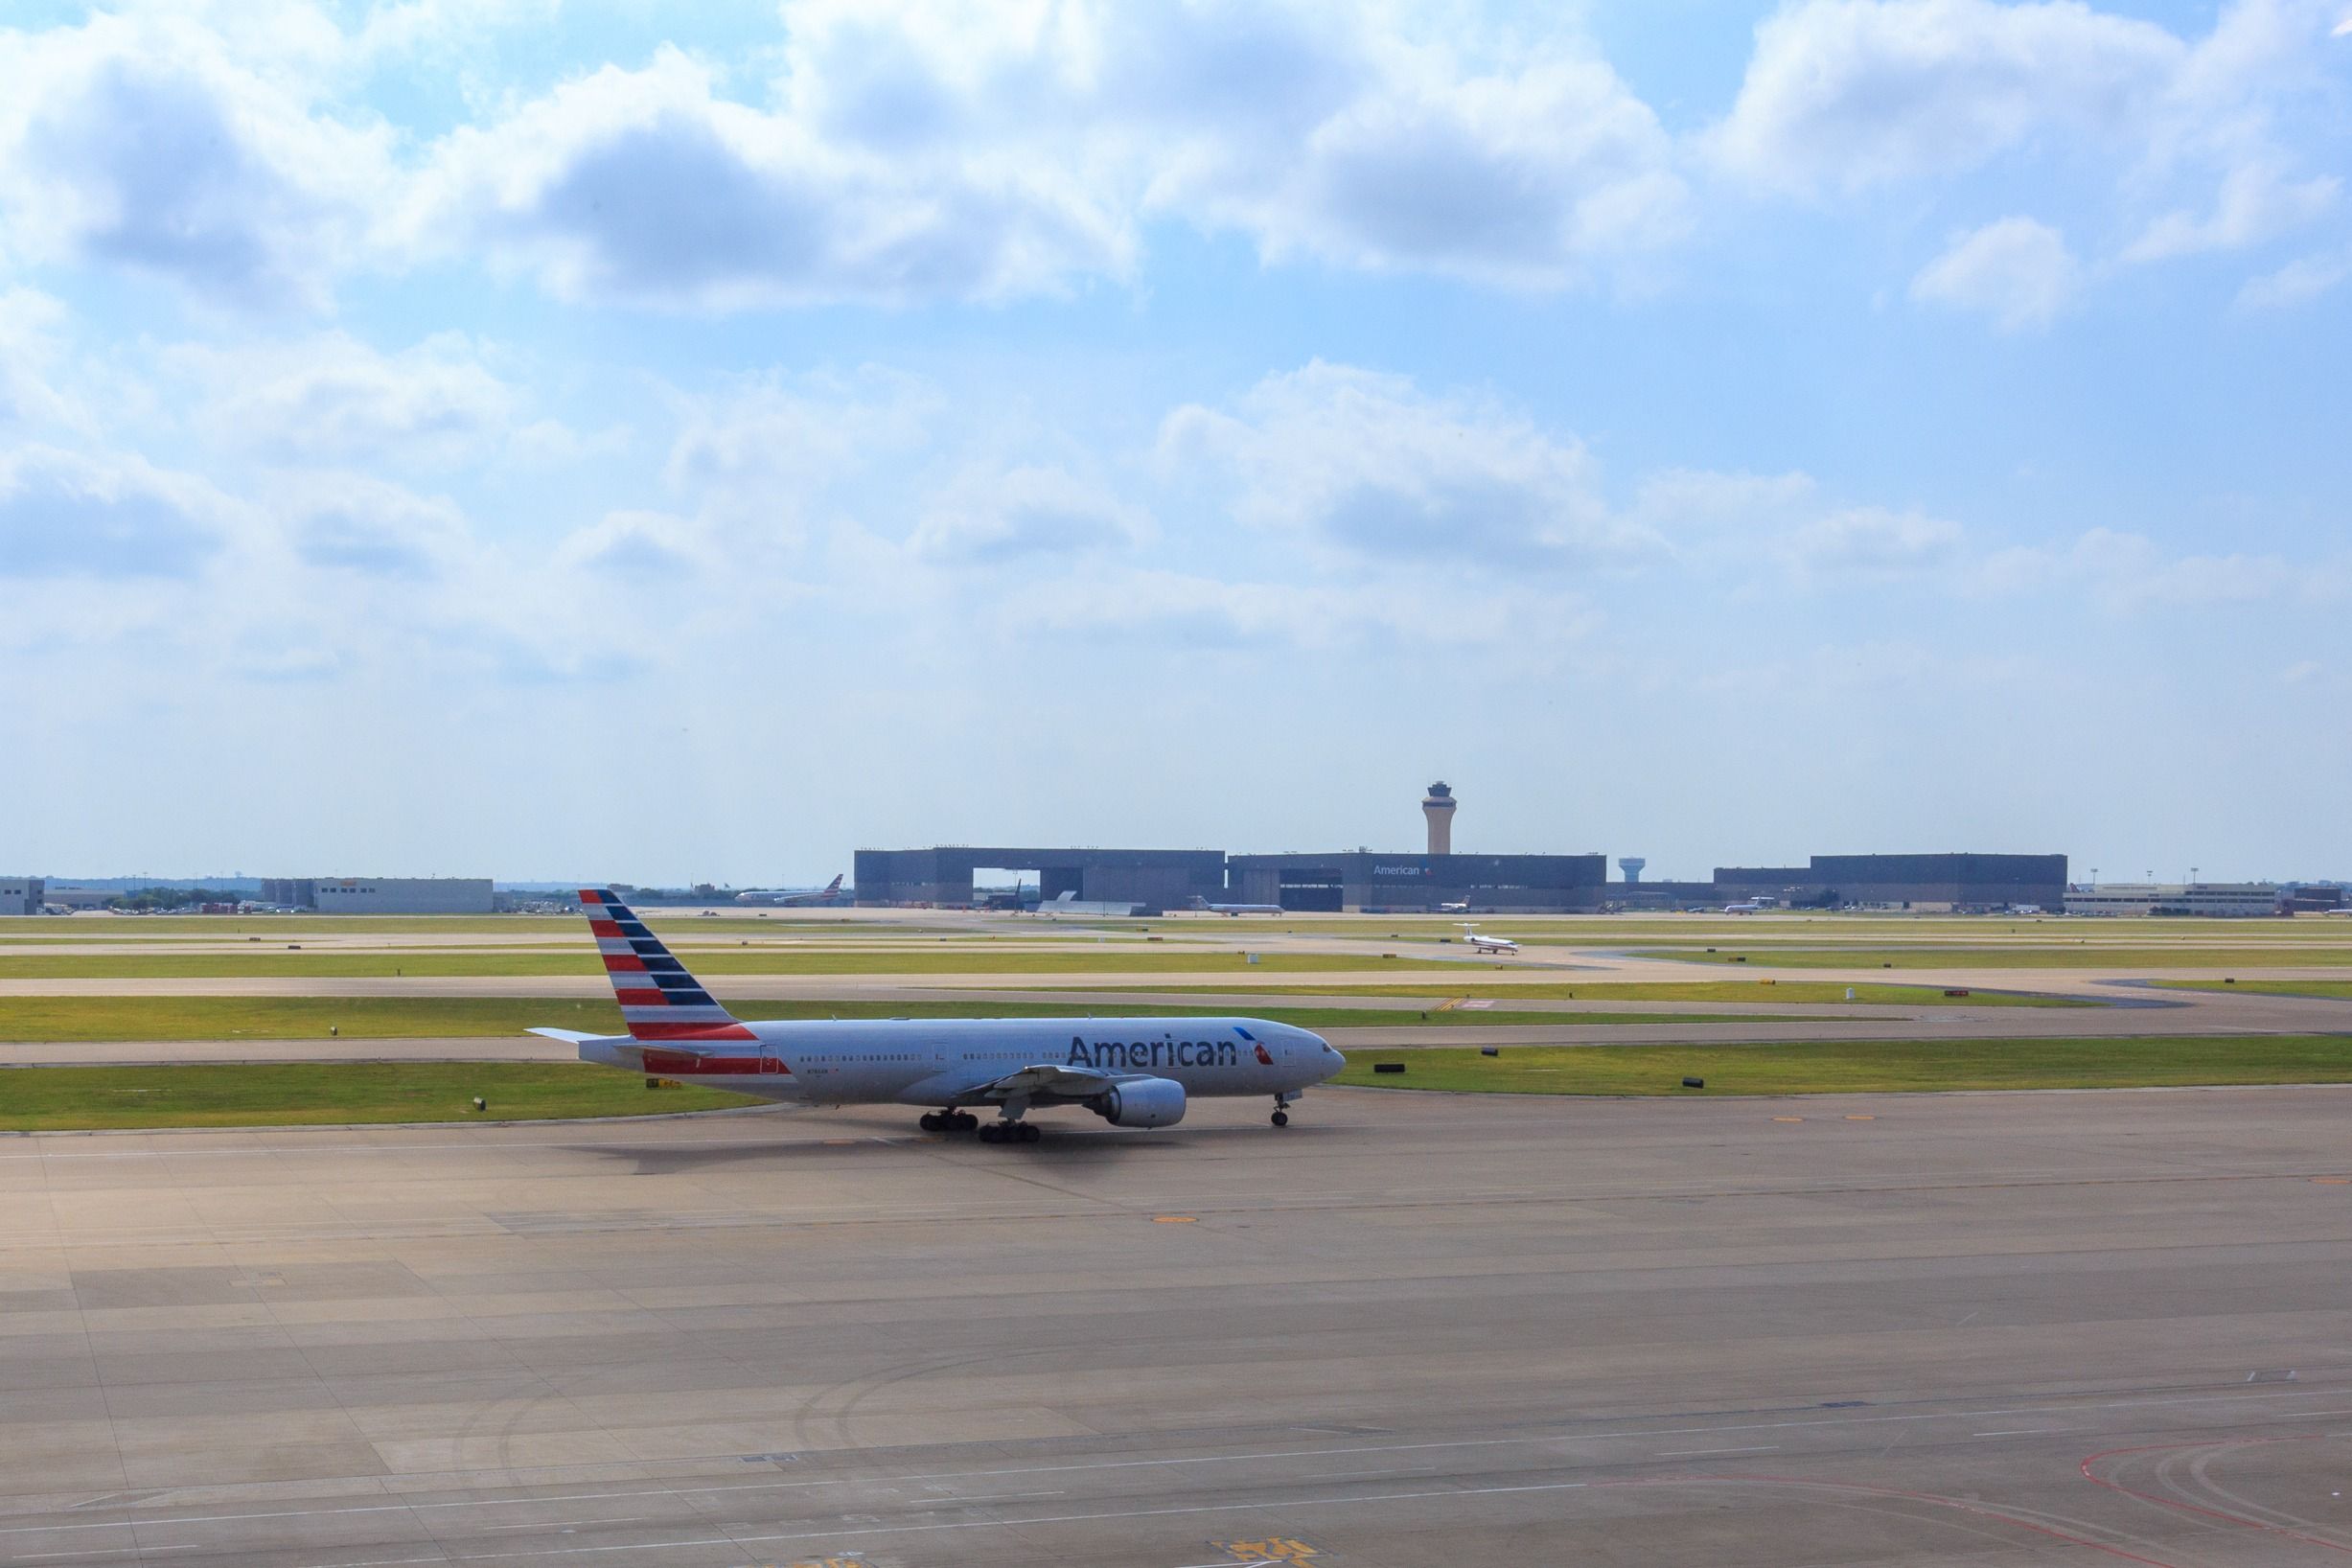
(1409,1331)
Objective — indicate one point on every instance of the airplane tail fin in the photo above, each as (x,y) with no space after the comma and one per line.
(660,1001)
(834,886)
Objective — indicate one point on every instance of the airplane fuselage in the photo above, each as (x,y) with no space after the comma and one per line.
(945,1061)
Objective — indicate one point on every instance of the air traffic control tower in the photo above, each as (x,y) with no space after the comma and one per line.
(1438,805)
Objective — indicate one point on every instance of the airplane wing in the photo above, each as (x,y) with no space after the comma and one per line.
(1045,1081)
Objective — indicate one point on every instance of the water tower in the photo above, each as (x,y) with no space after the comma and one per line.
(1438,805)
(1631,866)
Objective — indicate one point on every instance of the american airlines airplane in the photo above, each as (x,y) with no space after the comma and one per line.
(1130,1071)
(1485,944)
(793,897)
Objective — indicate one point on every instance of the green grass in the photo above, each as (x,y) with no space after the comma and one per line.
(285,1094)
(2342,990)
(1844,1067)
(93,1018)
(334,964)
(1741,991)
(2054,957)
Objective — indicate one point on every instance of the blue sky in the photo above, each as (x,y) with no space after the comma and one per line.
(675,442)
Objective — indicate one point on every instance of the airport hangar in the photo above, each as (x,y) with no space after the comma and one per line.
(1156,880)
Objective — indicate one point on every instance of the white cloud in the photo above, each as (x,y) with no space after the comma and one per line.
(2127,573)
(646,186)
(2297,283)
(638,544)
(1367,465)
(334,399)
(2016,269)
(974,152)
(67,515)
(2256,203)
(370,527)
(1846,94)
(1871,541)
(147,142)
(32,351)
(1027,512)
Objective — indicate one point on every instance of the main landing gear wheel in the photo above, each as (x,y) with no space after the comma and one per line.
(947,1122)
(1009,1132)
(1281,1119)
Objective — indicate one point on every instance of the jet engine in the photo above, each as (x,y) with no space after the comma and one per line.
(1141,1102)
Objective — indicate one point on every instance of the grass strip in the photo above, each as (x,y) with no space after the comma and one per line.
(93,1019)
(2053,956)
(1783,993)
(2340,990)
(331,964)
(312,1093)
(1851,1066)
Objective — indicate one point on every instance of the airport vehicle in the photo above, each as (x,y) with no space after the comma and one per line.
(793,897)
(1130,1071)
(1204,905)
(1487,944)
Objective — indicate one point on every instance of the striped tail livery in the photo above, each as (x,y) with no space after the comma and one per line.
(660,1001)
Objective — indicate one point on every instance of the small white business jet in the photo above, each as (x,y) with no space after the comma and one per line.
(1130,1071)
(1487,944)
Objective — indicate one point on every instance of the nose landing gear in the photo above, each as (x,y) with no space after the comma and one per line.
(1281,1109)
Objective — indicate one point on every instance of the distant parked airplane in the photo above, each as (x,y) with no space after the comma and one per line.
(1488,944)
(1130,1071)
(1204,905)
(1462,908)
(793,897)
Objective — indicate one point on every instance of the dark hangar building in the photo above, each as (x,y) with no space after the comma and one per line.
(1361,880)
(1153,879)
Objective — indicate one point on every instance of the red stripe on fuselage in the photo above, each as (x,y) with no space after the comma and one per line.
(685,1064)
(690,1031)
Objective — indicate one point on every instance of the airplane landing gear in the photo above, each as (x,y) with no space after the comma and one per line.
(1009,1132)
(1281,1109)
(947,1122)
(1281,1119)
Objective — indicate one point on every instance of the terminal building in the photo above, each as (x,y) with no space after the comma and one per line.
(21,895)
(1360,880)
(1152,880)
(2240,899)
(1928,883)
(382,895)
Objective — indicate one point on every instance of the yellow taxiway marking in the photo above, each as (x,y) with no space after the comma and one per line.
(1175,1219)
(1788,1118)
(1861,1118)
(2333,1181)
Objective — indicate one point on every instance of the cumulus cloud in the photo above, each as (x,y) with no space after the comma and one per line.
(357,524)
(334,398)
(2017,270)
(1852,93)
(1871,541)
(67,515)
(638,544)
(974,152)
(1371,466)
(143,142)
(2297,283)
(2128,573)
(1024,514)
(2256,203)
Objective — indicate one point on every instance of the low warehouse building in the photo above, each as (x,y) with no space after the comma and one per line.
(21,895)
(382,895)
(1361,880)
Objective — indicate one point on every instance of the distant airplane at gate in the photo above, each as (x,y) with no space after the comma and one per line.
(1130,1071)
